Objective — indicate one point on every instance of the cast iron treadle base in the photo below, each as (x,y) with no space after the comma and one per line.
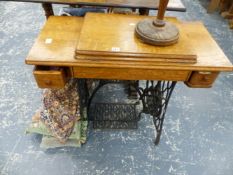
(155,97)
(114,116)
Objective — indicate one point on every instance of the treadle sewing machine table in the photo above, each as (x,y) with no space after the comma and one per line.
(143,5)
(195,60)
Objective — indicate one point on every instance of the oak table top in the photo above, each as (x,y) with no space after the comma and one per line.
(61,51)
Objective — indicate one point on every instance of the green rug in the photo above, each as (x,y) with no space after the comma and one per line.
(76,139)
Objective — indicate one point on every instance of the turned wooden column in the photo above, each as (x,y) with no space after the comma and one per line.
(48,8)
(162,9)
(161,12)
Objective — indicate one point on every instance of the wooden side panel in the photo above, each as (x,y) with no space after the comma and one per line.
(129,74)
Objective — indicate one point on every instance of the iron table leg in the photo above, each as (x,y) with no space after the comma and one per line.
(155,97)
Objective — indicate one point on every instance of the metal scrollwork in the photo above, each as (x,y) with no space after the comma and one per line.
(155,97)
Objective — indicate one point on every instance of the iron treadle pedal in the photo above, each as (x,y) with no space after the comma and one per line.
(114,115)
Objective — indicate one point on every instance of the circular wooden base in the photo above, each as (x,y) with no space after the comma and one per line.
(149,33)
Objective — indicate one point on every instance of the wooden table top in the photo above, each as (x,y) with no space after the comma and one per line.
(174,5)
(56,46)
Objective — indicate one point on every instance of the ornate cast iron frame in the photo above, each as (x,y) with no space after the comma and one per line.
(154,95)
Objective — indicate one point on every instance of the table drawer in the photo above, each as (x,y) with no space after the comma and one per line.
(50,77)
(202,79)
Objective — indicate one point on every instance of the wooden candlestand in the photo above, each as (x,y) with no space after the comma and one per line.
(157,31)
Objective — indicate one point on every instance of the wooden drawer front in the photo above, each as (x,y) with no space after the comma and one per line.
(49,78)
(202,79)
(130,74)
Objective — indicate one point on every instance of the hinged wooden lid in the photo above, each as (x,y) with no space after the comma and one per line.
(112,35)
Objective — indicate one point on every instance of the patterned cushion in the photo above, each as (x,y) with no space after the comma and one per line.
(61,110)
